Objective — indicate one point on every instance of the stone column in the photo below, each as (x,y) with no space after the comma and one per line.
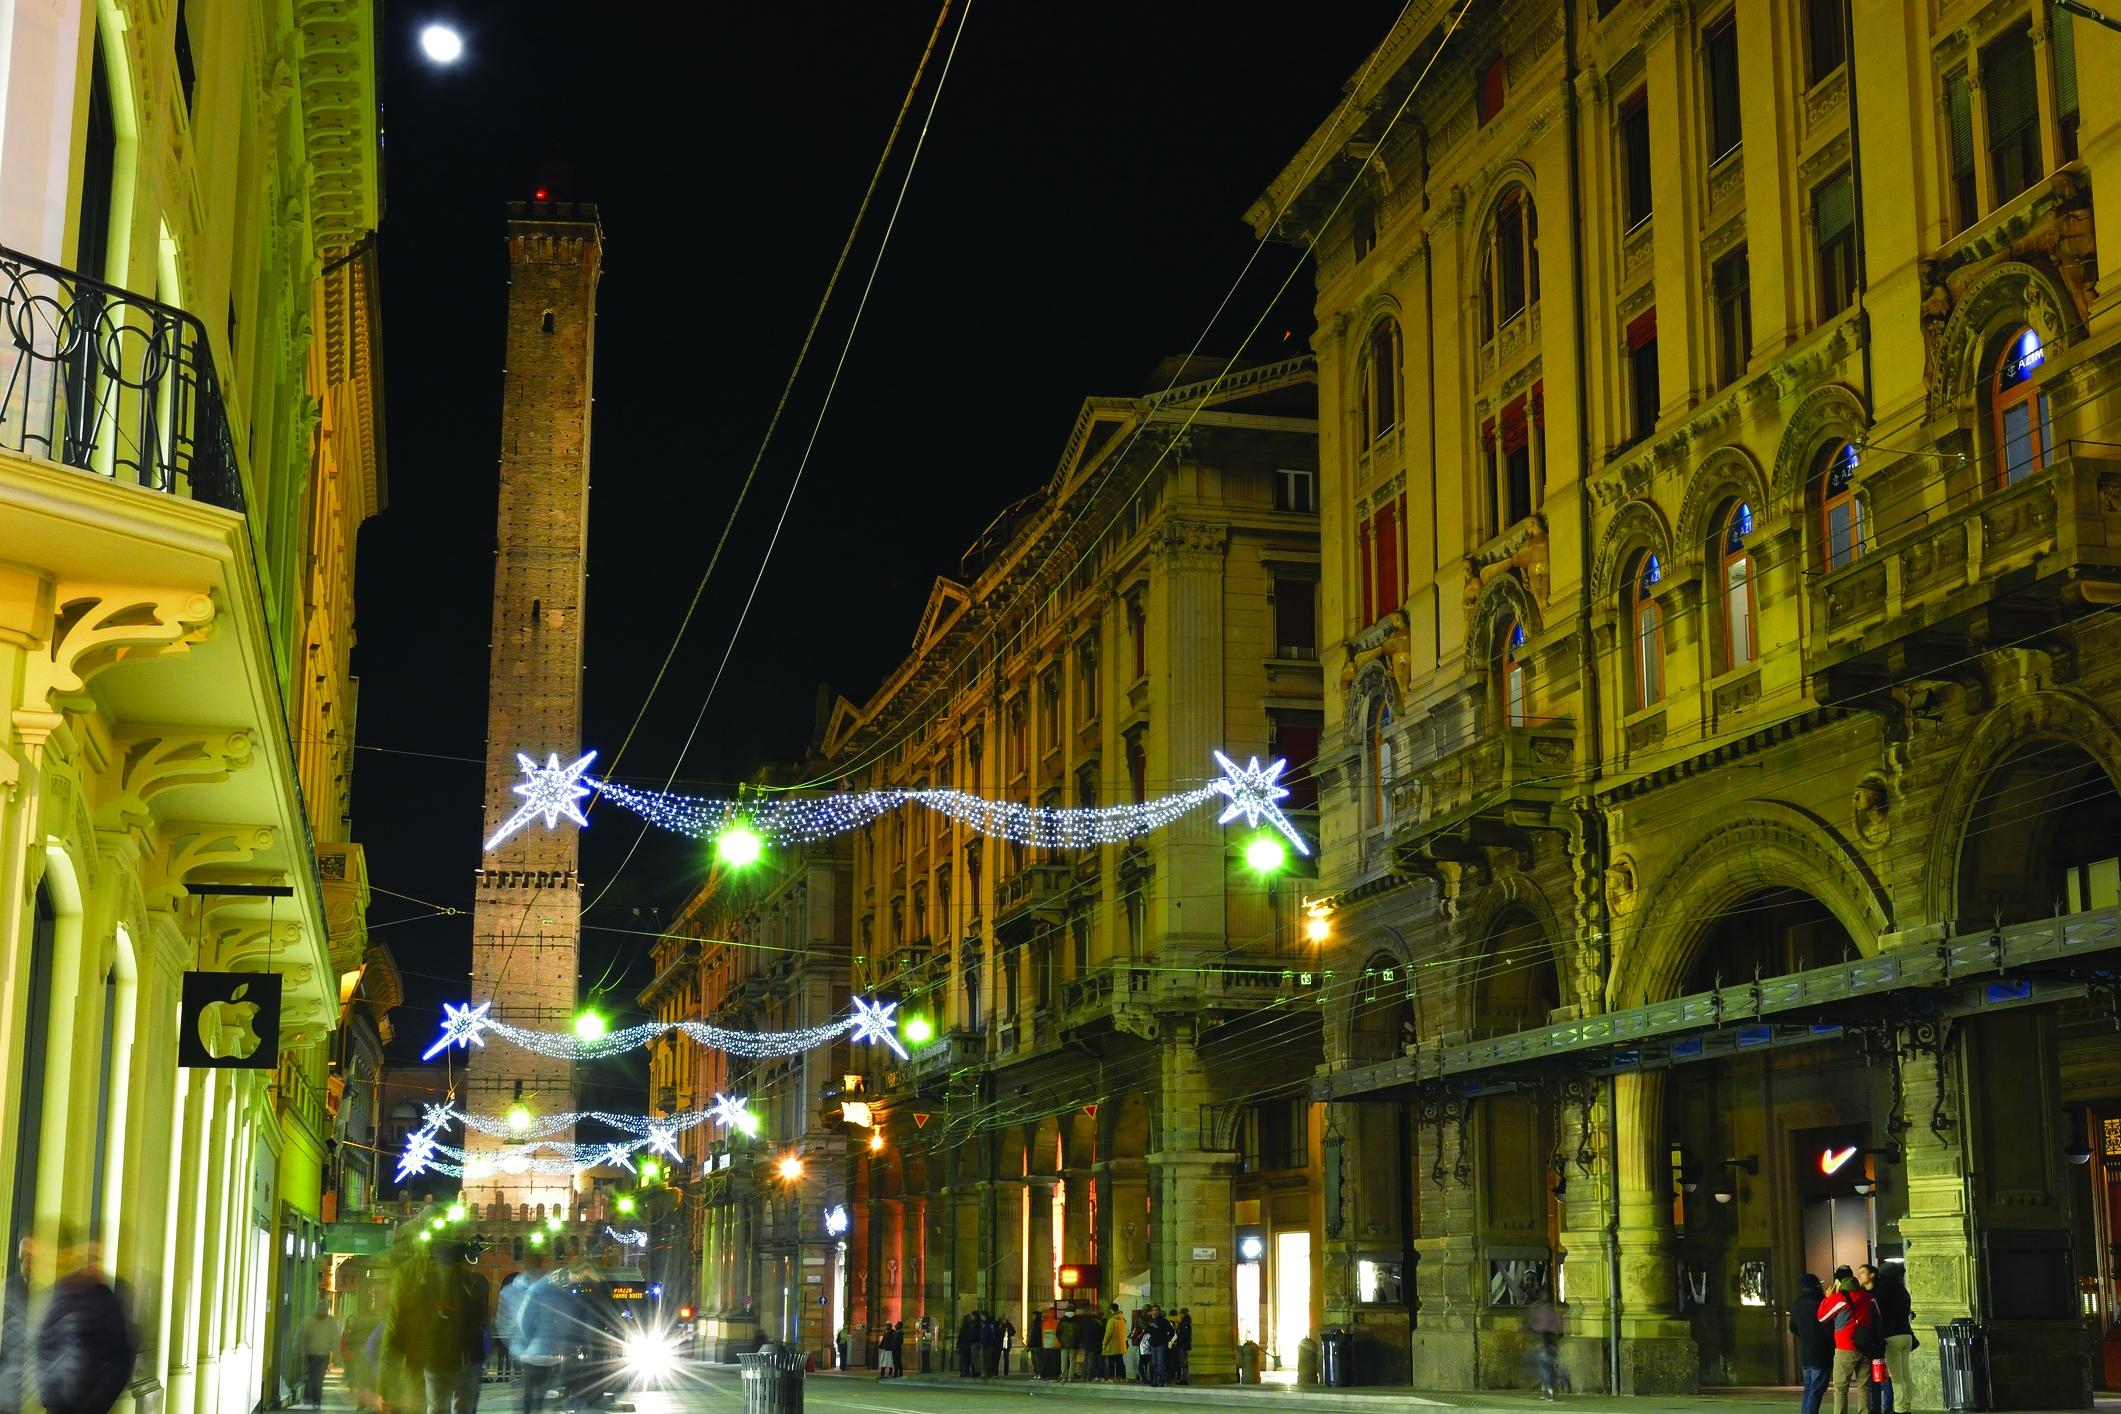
(1657,1351)
(1078,1240)
(1192,1214)
(1586,1208)
(1668,63)
(189,1240)
(1450,1284)
(1123,1222)
(1185,676)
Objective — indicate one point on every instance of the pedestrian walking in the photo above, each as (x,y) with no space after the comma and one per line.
(1133,1356)
(839,1348)
(1847,1310)
(551,1322)
(508,1309)
(1089,1342)
(1896,1327)
(1543,1319)
(15,1332)
(967,1345)
(1008,1329)
(84,1351)
(1115,1345)
(1814,1341)
(1184,1345)
(319,1336)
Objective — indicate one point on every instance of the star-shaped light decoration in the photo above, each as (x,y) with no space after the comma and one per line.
(633,1237)
(550,790)
(616,1155)
(461,1026)
(437,1117)
(663,1139)
(419,1153)
(730,1111)
(878,1022)
(1255,793)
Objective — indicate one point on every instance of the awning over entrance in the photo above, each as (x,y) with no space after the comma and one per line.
(2027,963)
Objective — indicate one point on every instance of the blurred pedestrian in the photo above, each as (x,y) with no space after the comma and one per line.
(1089,1343)
(1115,1345)
(15,1332)
(1896,1328)
(508,1309)
(1132,1356)
(990,1345)
(1008,1330)
(84,1352)
(1543,1319)
(551,1323)
(1183,1344)
(1815,1343)
(319,1336)
(968,1345)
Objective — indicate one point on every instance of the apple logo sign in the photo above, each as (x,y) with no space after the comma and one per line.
(225,1028)
(230,1020)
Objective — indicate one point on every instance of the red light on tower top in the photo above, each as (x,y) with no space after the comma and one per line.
(543,194)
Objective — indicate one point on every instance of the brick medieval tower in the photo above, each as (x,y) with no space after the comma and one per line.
(526,920)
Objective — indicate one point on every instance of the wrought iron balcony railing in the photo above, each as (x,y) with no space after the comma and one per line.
(100,379)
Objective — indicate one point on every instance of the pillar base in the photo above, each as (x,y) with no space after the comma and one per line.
(1659,1364)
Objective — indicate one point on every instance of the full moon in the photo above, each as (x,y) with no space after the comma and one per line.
(441,44)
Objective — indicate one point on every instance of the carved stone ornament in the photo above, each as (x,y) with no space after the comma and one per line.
(96,626)
(1870,812)
(1620,887)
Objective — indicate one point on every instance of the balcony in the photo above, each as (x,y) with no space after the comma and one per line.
(104,381)
(1489,793)
(1035,894)
(1997,569)
(1114,996)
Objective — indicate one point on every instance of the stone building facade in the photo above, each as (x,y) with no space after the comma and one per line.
(753,1244)
(1720,457)
(1093,1074)
(190,440)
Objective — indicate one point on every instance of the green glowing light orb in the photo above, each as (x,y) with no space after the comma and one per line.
(1265,854)
(919,1031)
(749,1123)
(555,1222)
(537,1239)
(519,1117)
(456,1212)
(649,1168)
(589,1026)
(739,846)
(625,1204)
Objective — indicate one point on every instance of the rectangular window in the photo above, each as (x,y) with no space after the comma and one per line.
(1491,89)
(1828,36)
(1387,558)
(1363,229)
(1138,630)
(1834,228)
(1719,55)
(1642,374)
(2013,113)
(1959,123)
(1491,462)
(1738,610)
(1516,438)
(1734,317)
(1295,618)
(1364,535)
(98,173)
(1086,681)
(1296,489)
(1635,157)
(1293,737)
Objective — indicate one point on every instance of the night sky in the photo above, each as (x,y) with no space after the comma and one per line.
(1076,215)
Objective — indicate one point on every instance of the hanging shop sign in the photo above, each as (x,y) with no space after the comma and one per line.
(229,1021)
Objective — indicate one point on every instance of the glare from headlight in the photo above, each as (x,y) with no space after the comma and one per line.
(650,1354)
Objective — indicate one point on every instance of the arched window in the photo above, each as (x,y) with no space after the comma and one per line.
(1509,262)
(1840,513)
(1515,707)
(1735,579)
(1380,381)
(1378,754)
(1645,620)
(2024,432)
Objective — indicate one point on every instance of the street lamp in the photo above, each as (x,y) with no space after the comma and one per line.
(588,1026)
(1266,855)
(739,846)
(790,1168)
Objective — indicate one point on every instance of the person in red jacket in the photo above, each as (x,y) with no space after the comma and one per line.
(1847,1308)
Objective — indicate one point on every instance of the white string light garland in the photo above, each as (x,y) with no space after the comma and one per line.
(467,1025)
(552,790)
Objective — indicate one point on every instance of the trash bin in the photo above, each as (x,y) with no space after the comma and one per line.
(773,1379)
(1334,1364)
(1248,1363)
(1962,1358)
(1307,1361)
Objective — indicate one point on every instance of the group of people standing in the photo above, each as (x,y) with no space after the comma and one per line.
(1855,1332)
(1067,1344)
(984,1341)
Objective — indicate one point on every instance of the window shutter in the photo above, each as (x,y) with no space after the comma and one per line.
(2064,39)
(1959,106)
(1834,209)
(1368,600)
(2007,79)
(1642,329)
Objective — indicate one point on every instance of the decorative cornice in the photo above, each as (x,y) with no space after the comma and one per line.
(340,127)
